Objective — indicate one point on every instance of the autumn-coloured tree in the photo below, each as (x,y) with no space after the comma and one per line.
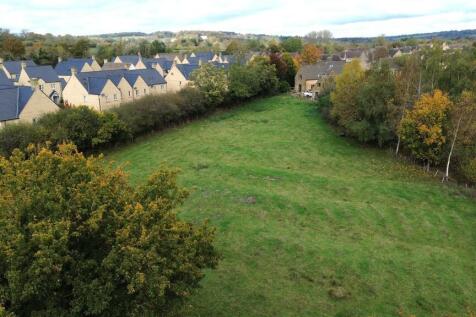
(13,46)
(77,240)
(422,129)
(345,96)
(310,54)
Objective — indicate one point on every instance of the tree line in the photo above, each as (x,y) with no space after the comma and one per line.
(423,104)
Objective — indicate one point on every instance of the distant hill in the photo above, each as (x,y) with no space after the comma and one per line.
(444,35)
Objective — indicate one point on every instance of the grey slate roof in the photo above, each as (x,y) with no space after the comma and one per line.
(63,68)
(129,59)
(187,69)
(322,68)
(47,73)
(4,80)
(114,66)
(14,67)
(206,56)
(13,101)
(150,76)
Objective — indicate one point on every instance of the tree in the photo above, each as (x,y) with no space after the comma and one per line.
(291,68)
(345,97)
(462,123)
(323,36)
(157,47)
(80,48)
(13,47)
(422,129)
(212,82)
(407,86)
(76,239)
(310,54)
(292,44)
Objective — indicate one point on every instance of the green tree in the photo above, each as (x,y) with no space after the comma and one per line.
(291,68)
(292,44)
(212,82)
(77,240)
(157,47)
(80,48)
(345,97)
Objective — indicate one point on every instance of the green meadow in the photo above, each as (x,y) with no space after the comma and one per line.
(313,224)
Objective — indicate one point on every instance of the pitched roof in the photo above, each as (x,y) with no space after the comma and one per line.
(4,81)
(63,68)
(187,69)
(13,101)
(14,67)
(150,76)
(129,59)
(206,56)
(47,73)
(164,63)
(322,68)
(94,85)
(113,66)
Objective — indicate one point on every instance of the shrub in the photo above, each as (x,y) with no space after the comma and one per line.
(76,239)
(212,82)
(19,135)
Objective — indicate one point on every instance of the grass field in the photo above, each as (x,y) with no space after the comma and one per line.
(311,224)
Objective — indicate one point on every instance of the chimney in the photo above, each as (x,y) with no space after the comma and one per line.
(23,65)
(93,57)
(74,71)
(157,55)
(106,61)
(60,59)
(199,62)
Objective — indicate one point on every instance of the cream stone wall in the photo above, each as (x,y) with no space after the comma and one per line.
(127,91)
(175,80)
(110,97)
(38,105)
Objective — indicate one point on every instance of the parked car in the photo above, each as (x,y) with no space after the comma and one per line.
(308,94)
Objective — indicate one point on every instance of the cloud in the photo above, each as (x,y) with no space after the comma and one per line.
(278,17)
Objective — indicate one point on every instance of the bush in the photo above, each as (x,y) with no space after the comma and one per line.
(284,86)
(76,239)
(19,135)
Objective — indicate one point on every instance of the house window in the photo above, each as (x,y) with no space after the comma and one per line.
(115,97)
(137,92)
(180,83)
(129,93)
(145,91)
(84,99)
(53,86)
(42,87)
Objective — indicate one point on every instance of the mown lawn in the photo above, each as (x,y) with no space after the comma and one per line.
(311,224)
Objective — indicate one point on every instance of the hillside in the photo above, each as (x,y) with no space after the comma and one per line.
(311,224)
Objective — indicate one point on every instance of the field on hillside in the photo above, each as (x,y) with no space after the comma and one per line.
(311,224)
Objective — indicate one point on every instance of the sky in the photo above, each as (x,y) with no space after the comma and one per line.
(278,17)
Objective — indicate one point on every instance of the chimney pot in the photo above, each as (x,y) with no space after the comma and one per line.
(23,65)
(60,59)
(106,61)
(74,71)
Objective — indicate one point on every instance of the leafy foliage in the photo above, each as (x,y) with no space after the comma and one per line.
(212,82)
(423,128)
(76,239)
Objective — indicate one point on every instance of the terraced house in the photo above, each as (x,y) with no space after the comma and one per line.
(103,90)
(23,104)
(43,77)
